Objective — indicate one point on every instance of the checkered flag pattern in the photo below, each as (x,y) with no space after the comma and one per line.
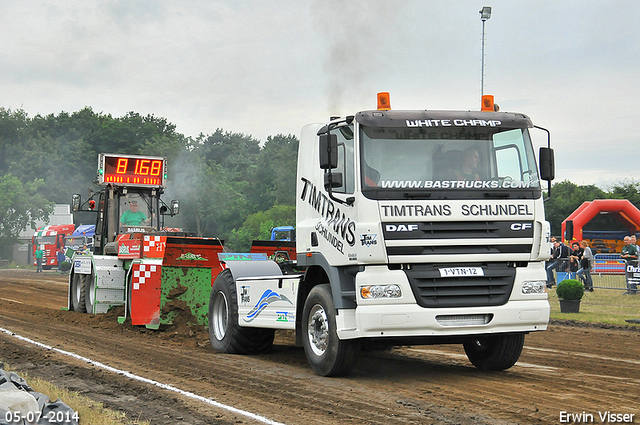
(142,274)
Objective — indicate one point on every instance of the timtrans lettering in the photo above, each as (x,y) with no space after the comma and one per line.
(415,210)
(336,220)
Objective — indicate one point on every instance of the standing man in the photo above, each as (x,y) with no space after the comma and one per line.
(634,242)
(629,250)
(61,258)
(559,256)
(630,254)
(39,255)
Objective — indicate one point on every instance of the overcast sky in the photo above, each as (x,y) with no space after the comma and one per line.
(269,67)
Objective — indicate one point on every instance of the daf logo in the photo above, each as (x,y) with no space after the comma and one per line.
(401,227)
(520,226)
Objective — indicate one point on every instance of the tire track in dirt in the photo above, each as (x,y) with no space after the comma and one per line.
(567,368)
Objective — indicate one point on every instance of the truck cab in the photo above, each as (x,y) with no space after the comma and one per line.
(413,227)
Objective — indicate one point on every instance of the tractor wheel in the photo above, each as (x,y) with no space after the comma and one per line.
(225,334)
(495,352)
(89,292)
(78,293)
(327,355)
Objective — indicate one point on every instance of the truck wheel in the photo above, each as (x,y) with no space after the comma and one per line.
(77,293)
(497,352)
(225,334)
(89,292)
(327,355)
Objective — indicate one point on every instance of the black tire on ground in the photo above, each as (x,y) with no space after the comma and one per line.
(495,352)
(89,292)
(225,334)
(327,355)
(78,293)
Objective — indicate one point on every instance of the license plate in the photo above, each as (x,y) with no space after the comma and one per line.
(461,271)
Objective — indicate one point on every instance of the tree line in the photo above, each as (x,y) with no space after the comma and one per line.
(230,185)
(221,179)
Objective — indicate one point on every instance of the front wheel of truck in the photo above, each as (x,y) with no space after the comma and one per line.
(225,334)
(494,352)
(327,355)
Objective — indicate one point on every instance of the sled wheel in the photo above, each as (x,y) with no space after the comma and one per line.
(225,334)
(327,355)
(496,352)
(78,293)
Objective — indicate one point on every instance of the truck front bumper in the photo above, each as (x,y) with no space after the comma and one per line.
(411,320)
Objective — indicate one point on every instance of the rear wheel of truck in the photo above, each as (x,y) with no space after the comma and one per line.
(495,352)
(327,355)
(78,293)
(225,334)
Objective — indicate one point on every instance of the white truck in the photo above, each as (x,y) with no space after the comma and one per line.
(413,227)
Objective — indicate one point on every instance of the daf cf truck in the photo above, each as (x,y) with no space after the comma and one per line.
(412,227)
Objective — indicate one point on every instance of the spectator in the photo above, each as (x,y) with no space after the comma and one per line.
(629,250)
(559,255)
(61,258)
(575,257)
(584,274)
(39,255)
(633,242)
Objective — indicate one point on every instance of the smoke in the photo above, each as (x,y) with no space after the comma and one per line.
(184,172)
(362,35)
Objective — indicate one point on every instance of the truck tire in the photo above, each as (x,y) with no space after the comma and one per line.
(496,352)
(78,293)
(89,292)
(327,355)
(225,334)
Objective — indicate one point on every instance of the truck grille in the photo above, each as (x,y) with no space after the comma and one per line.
(433,291)
(484,237)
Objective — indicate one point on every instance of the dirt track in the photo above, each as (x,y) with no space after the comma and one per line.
(568,368)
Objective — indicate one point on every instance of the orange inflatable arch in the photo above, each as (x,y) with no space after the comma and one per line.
(624,211)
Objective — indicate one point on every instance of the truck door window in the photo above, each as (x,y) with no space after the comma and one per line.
(345,159)
(514,157)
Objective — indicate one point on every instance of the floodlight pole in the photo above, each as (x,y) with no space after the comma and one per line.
(485,14)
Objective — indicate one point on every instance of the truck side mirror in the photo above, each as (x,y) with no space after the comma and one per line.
(328,151)
(76,201)
(332,180)
(547,164)
(568,229)
(175,207)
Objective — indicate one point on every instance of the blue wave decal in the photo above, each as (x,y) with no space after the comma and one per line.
(267,298)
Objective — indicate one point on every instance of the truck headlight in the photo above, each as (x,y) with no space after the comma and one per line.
(534,287)
(380,291)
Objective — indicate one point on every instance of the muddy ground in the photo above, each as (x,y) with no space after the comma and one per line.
(569,368)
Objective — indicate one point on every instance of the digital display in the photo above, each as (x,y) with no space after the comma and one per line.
(131,170)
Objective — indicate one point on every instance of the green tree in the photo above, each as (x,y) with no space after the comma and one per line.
(20,206)
(258,226)
(627,189)
(274,178)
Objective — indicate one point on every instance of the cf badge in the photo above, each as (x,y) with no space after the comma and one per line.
(520,226)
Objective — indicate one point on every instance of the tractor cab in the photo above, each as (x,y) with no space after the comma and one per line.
(130,201)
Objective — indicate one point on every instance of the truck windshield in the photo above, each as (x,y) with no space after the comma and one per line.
(75,241)
(46,240)
(471,159)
